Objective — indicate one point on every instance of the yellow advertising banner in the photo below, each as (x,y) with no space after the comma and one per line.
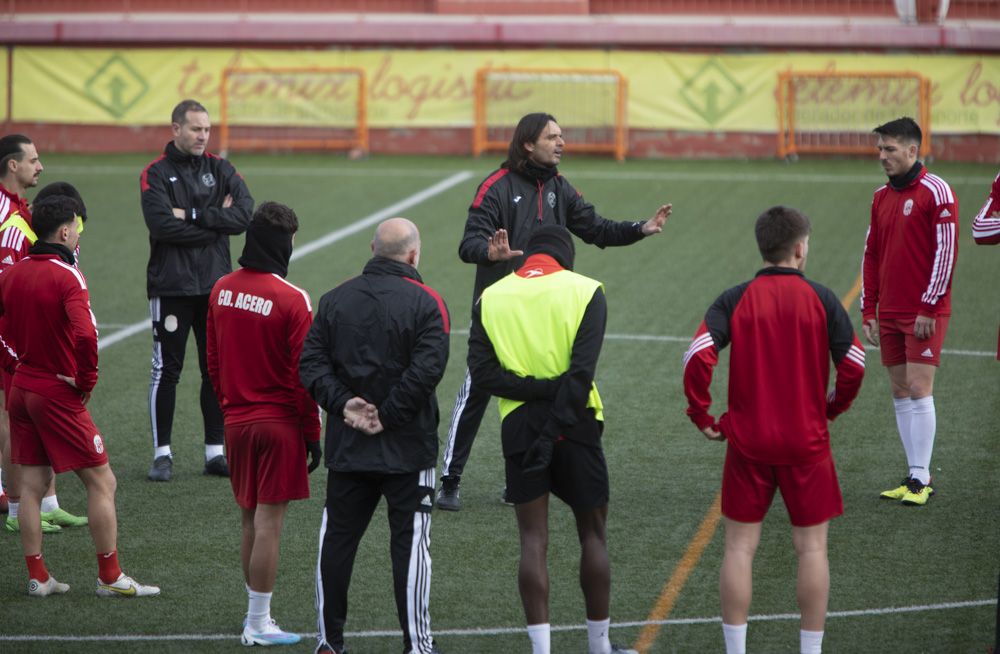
(434,88)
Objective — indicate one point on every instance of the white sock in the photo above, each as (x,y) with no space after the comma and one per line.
(212,451)
(810,642)
(597,636)
(922,429)
(541,638)
(736,638)
(259,610)
(904,419)
(12,509)
(163,450)
(49,504)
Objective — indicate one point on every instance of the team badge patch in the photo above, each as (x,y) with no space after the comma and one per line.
(551,197)
(908,207)
(98,444)
(208,179)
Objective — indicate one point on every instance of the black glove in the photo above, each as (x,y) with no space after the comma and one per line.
(537,458)
(316,453)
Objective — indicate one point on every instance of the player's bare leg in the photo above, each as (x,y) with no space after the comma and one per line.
(595,569)
(736,574)
(101,485)
(813,586)
(259,549)
(261,544)
(533,571)
(34,482)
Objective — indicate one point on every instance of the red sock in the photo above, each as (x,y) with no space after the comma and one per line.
(109,570)
(36,568)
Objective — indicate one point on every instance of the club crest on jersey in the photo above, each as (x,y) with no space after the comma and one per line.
(98,444)
(551,197)
(908,207)
(208,179)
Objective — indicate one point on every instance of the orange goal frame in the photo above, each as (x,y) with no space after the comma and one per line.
(618,146)
(358,140)
(788,145)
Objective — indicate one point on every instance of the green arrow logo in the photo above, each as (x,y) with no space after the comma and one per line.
(116,86)
(712,92)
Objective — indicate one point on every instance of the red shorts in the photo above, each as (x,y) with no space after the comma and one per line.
(267,463)
(811,492)
(59,433)
(899,345)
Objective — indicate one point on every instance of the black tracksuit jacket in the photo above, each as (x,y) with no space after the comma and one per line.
(522,202)
(382,336)
(187,257)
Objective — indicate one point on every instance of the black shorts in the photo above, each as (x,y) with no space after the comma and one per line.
(578,476)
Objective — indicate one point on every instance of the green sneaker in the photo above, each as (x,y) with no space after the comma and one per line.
(14,526)
(64,518)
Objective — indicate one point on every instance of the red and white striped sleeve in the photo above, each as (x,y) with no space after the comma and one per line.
(944,218)
(850,373)
(699,362)
(986,224)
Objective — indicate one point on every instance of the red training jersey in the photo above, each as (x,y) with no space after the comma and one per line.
(257,323)
(14,243)
(910,250)
(57,335)
(784,331)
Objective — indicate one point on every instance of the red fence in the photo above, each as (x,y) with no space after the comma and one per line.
(927,10)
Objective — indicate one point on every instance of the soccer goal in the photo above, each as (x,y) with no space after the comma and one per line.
(835,112)
(589,105)
(281,109)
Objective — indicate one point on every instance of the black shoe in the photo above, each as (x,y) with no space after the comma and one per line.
(621,649)
(217,466)
(448,495)
(162,468)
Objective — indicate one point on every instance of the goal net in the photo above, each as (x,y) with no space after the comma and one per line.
(589,105)
(281,109)
(835,112)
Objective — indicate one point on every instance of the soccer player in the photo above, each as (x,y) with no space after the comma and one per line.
(525,193)
(53,333)
(784,329)
(20,168)
(374,355)
(256,324)
(910,253)
(192,202)
(535,338)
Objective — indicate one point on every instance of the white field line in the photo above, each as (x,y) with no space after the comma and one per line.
(875,179)
(322,242)
(499,631)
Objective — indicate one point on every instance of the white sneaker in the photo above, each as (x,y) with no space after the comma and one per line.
(126,586)
(271,634)
(51,587)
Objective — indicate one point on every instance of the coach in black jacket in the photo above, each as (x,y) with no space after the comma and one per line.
(192,201)
(513,201)
(375,353)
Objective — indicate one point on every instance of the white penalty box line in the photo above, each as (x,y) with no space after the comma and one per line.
(501,631)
